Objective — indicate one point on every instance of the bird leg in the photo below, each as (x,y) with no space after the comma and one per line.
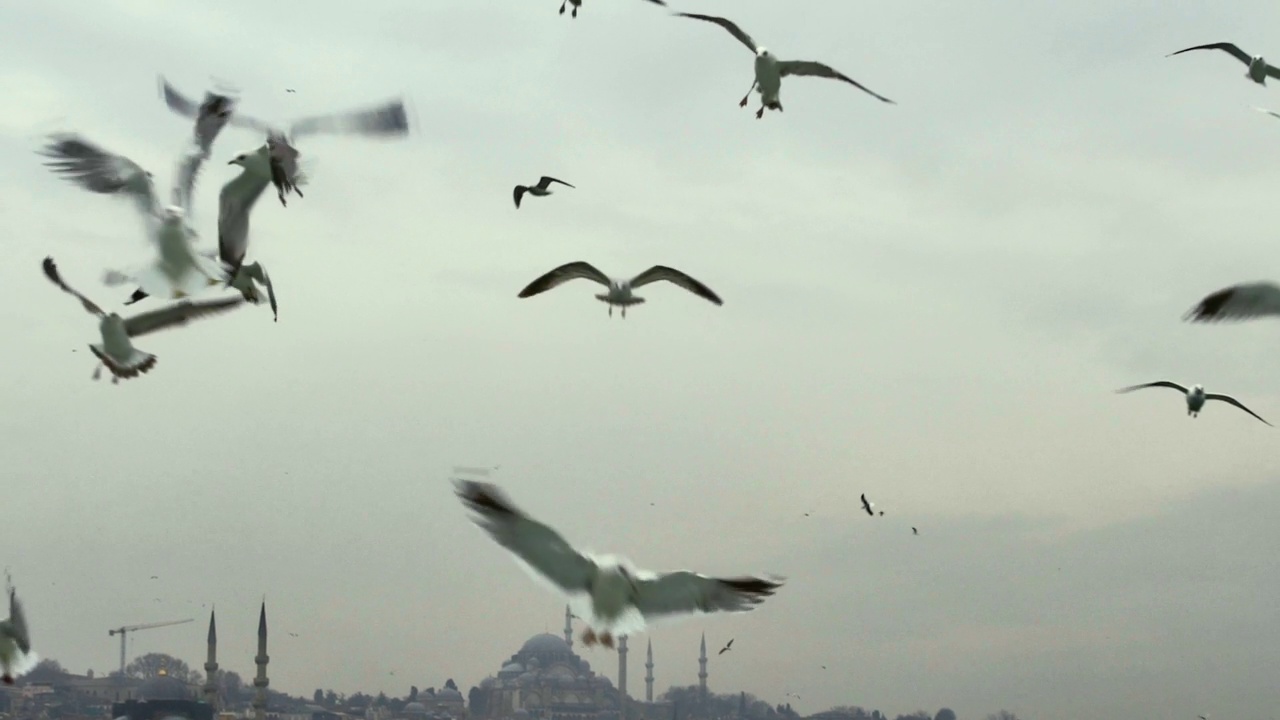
(760,112)
(610,311)
(624,312)
(135,297)
(588,637)
(606,639)
(97,372)
(747,97)
(562,4)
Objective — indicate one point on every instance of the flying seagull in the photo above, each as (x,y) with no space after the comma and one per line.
(16,657)
(1245,301)
(914,531)
(235,201)
(1258,68)
(1196,397)
(542,189)
(725,649)
(867,505)
(578,3)
(770,70)
(614,596)
(619,289)
(116,351)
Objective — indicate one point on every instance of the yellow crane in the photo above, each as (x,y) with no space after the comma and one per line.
(126,629)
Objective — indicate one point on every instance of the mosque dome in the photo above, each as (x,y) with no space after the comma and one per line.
(415,708)
(164,687)
(448,693)
(545,643)
(511,668)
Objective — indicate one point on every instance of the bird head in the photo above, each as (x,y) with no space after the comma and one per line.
(1197,389)
(763,52)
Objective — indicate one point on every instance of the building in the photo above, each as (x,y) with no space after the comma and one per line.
(545,680)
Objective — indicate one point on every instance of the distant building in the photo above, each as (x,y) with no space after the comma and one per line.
(545,680)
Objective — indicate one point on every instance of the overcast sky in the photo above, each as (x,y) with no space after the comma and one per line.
(931,303)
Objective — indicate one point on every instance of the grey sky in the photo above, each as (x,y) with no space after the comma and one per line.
(930,303)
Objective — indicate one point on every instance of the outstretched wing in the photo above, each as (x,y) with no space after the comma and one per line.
(390,118)
(537,545)
(1238,302)
(1233,401)
(51,271)
(1226,47)
(1158,383)
(178,314)
(546,180)
(563,274)
(211,114)
(662,272)
(688,592)
(816,69)
(95,169)
(734,30)
(17,625)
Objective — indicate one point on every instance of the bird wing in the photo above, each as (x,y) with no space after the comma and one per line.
(541,547)
(17,625)
(185,178)
(51,272)
(1235,52)
(546,181)
(178,102)
(734,30)
(95,169)
(1158,383)
(235,200)
(177,314)
(817,69)
(1238,302)
(563,274)
(519,193)
(662,272)
(1233,401)
(389,118)
(659,2)
(688,592)
(1272,113)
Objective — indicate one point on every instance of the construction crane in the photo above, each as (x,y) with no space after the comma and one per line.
(126,629)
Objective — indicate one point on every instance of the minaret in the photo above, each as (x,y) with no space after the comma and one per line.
(568,627)
(211,666)
(648,674)
(622,670)
(702,669)
(260,682)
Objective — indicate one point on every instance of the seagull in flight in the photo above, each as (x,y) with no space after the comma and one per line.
(235,201)
(770,70)
(1258,71)
(16,657)
(615,597)
(578,3)
(542,189)
(1196,397)
(116,351)
(620,290)
(867,505)
(1245,301)
(914,531)
(725,649)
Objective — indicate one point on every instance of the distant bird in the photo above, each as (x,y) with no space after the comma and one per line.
(1258,71)
(1246,301)
(290,90)
(16,657)
(725,649)
(155,577)
(542,189)
(620,290)
(914,531)
(867,505)
(578,3)
(1272,113)
(615,597)
(293,634)
(770,70)
(116,350)
(1196,397)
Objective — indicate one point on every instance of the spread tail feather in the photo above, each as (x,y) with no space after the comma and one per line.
(138,362)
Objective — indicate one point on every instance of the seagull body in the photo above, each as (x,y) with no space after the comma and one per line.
(612,595)
(578,3)
(177,271)
(116,351)
(867,505)
(542,189)
(1196,397)
(16,657)
(1246,301)
(235,201)
(1258,70)
(619,290)
(769,70)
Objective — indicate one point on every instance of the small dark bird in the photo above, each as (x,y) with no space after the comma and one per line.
(292,634)
(539,190)
(915,531)
(867,504)
(725,649)
(155,577)
(289,90)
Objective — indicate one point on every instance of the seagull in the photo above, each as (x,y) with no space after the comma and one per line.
(1245,301)
(914,531)
(770,70)
(867,505)
(290,90)
(619,289)
(1258,68)
(615,597)
(578,3)
(1272,113)
(235,201)
(116,351)
(542,189)
(1196,397)
(16,657)
(725,649)
(155,577)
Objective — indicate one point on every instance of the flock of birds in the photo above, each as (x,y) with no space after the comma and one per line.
(614,597)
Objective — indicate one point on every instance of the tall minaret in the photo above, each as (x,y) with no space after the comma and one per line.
(211,666)
(260,682)
(622,670)
(702,668)
(568,626)
(648,674)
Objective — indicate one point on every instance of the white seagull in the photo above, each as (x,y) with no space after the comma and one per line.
(1246,301)
(16,657)
(620,290)
(542,189)
(235,201)
(578,3)
(116,351)
(608,592)
(1196,397)
(770,70)
(1258,70)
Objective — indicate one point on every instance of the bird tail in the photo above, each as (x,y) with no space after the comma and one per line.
(138,362)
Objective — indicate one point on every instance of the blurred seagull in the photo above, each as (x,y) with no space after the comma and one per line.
(914,531)
(614,596)
(1272,113)
(542,189)
(1196,397)
(16,657)
(725,649)
(867,505)
(1245,301)
(1258,71)
(619,289)
(578,3)
(770,70)
(235,201)
(116,351)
